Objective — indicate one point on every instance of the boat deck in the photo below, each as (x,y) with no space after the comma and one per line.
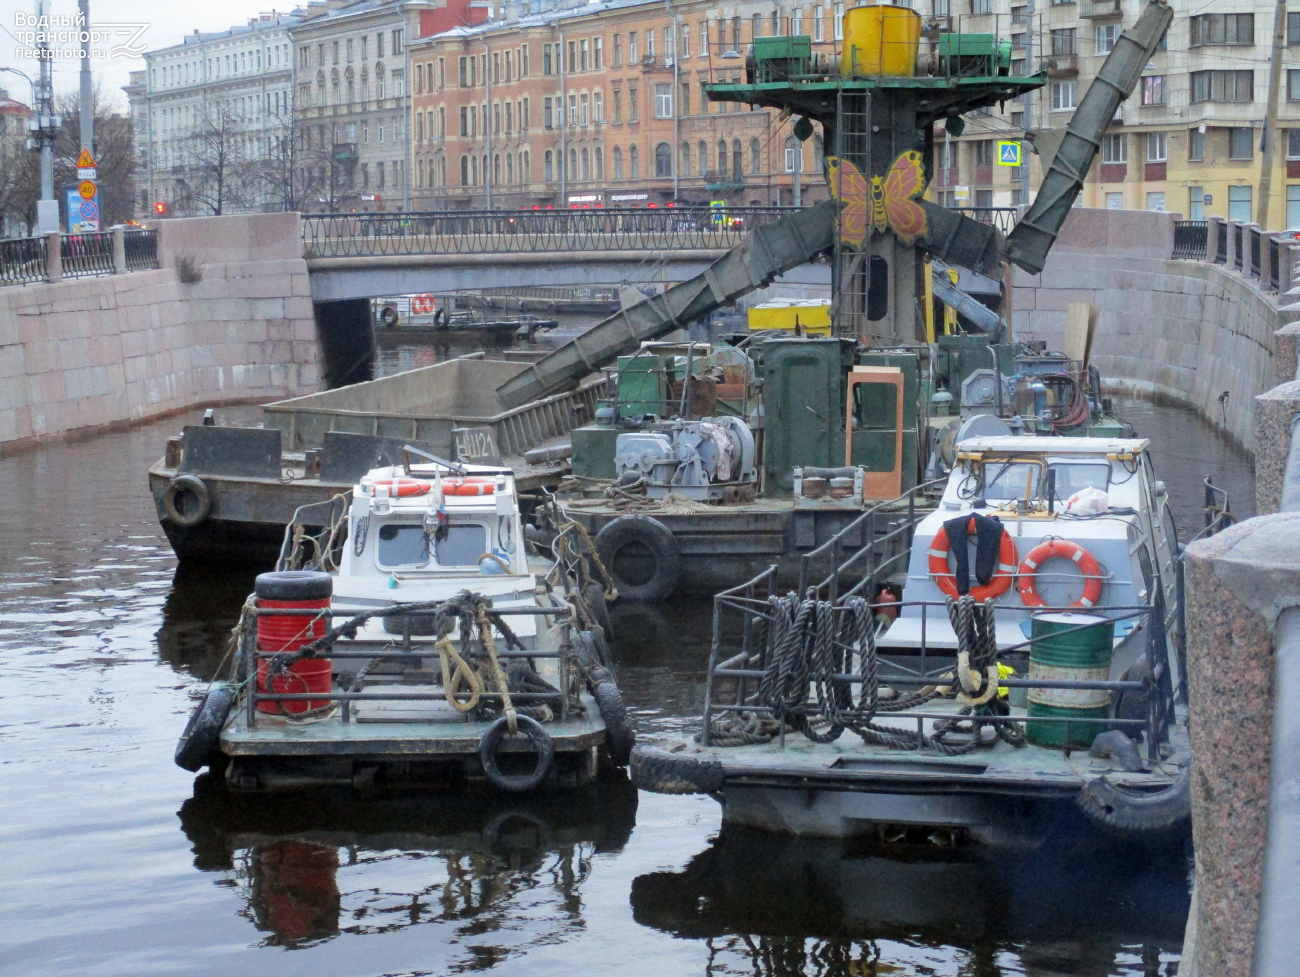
(849,763)
(329,736)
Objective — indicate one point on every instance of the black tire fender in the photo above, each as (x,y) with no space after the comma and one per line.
(542,744)
(201,741)
(594,595)
(389,317)
(1126,812)
(662,772)
(655,537)
(294,585)
(196,487)
(619,735)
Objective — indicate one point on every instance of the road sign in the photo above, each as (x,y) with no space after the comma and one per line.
(87,190)
(87,173)
(89,210)
(85,159)
(1008,154)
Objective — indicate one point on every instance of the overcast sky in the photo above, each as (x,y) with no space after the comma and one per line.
(167,21)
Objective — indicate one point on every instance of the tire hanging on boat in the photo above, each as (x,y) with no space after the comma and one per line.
(200,742)
(543,745)
(654,537)
(619,735)
(196,487)
(1124,812)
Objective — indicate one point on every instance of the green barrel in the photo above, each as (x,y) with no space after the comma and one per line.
(1082,655)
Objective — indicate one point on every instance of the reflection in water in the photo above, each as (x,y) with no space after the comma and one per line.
(1080,904)
(314,865)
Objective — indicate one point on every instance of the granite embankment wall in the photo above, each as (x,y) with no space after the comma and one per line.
(89,354)
(1180,330)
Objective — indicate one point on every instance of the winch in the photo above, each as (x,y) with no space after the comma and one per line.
(708,459)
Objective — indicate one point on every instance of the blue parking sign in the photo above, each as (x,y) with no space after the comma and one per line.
(1008,154)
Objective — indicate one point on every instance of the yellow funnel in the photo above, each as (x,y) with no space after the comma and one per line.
(880,40)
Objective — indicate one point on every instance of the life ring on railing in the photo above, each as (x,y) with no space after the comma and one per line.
(469,486)
(946,580)
(403,488)
(1070,550)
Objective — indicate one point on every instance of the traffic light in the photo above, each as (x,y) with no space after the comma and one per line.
(160,208)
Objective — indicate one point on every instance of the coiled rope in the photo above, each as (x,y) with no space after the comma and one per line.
(811,646)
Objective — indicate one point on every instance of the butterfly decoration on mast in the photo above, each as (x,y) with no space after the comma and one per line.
(880,203)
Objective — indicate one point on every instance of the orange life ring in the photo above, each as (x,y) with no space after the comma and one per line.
(947,581)
(403,488)
(1069,550)
(469,486)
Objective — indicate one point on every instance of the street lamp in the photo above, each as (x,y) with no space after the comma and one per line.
(43,126)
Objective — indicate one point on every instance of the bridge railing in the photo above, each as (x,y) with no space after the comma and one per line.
(1270,257)
(504,231)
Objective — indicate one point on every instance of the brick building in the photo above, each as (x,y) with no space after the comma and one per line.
(602,105)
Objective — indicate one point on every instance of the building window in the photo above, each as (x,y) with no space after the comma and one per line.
(464,171)
(1063,41)
(984,152)
(618,51)
(793,155)
(686,160)
(819,21)
(1106,36)
(1292,148)
(1223,29)
(548,165)
(546,61)
(1239,203)
(1114,148)
(1196,203)
(1195,145)
(598,108)
(1156,201)
(1241,143)
(1223,86)
(663,160)
(1292,37)
(618,107)
(633,105)
(1063,95)
(663,102)
(755,157)
(618,163)
(582,55)
(1157,148)
(586,165)
(1153,90)
(634,163)
(599,155)
(978,7)
(686,41)
(1292,205)
(1293,85)
(584,115)
(631,47)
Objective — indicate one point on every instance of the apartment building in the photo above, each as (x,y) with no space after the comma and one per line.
(1188,140)
(205,114)
(602,105)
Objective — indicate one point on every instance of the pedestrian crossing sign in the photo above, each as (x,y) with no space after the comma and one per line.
(1008,154)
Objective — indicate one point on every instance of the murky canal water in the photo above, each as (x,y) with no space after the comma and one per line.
(113,861)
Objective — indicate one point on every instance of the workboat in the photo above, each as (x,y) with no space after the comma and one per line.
(414,638)
(1024,650)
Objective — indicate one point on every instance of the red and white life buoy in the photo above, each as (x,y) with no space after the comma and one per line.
(469,486)
(403,488)
(947,582)
(1067,549)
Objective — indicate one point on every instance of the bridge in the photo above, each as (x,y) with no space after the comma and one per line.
(353,256)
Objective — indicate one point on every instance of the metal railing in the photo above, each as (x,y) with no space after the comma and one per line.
(1191,239)
(1003,218)
(141,249)
(25,260)
(86,254)
(505,231)
(22,261)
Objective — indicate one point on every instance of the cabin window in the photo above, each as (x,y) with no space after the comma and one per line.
(462,547)
(1012,480)
(403,545)
(1071,478)
(877,288)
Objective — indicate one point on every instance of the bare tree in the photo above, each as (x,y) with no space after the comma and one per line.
(218,163)
(288,171)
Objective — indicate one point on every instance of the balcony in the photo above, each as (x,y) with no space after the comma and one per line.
(1099,8)
(1061,64)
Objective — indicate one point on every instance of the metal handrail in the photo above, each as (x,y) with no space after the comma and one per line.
(522,231)
(1191,240)
(84,255)
(22,261)
(141,245)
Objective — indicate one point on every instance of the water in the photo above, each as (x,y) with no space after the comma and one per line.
(117,862)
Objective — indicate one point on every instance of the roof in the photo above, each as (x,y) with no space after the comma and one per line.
(1054,446)
(544,19)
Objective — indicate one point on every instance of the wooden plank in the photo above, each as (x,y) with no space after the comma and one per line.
(1080,322)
